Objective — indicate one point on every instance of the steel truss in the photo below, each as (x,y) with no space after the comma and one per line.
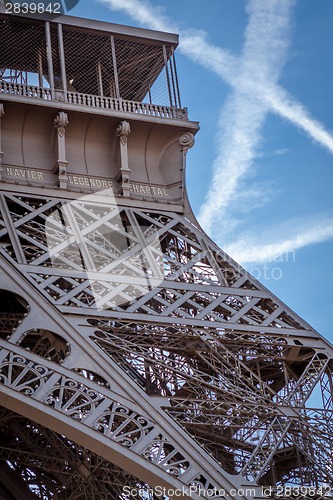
(143,337)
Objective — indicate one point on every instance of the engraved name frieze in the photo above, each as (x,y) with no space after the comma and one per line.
(145,189)
(22,173)
(83,182)
(89,182)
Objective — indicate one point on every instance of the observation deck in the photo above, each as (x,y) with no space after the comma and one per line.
(88,106)
(79,63)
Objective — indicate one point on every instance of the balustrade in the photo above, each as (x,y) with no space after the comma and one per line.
(109,103)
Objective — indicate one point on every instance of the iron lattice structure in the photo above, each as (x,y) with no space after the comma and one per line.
(213,358)
(133,351)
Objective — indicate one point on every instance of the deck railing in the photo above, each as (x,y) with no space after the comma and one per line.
(108,103)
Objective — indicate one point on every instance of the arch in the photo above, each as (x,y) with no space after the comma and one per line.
(34,455)
(46,344)
(97,419)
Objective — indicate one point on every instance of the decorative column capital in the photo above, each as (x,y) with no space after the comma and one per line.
(186,141)
(60,122)
(123,131)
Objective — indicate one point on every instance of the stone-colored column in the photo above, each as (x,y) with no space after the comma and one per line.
(60,123)
(123,132)
(187,142)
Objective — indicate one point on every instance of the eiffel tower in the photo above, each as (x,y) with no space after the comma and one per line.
(137,359)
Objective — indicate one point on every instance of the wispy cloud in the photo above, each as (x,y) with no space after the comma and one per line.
(264,53)
(247,248)
(287,107)
(253,77)
(196,45)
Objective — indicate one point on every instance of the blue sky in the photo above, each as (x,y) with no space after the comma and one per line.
(258,76)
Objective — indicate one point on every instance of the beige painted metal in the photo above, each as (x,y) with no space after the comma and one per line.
(134,351)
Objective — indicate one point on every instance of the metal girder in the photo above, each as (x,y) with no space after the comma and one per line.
(196,375)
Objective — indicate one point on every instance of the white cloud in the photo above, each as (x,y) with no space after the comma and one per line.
(247,248)
(195,44)
(238,138)
(264,53)
(255,92)
(287,107)
(143,12)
